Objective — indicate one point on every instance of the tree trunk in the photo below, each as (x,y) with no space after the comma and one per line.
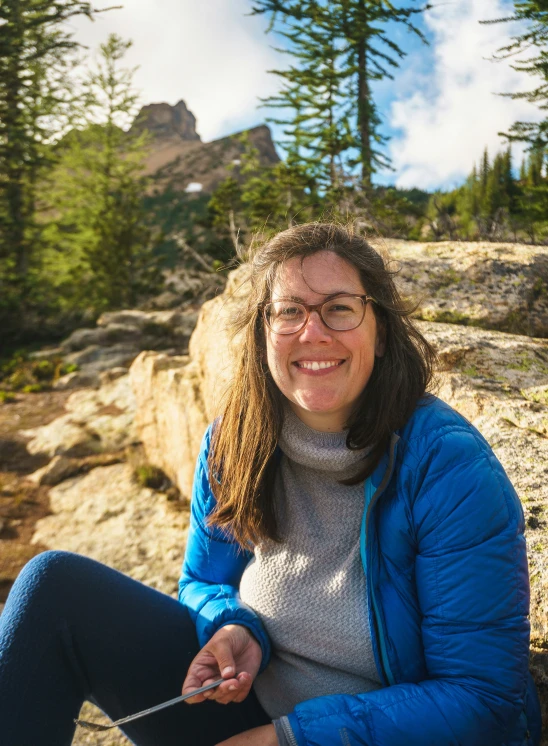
(364,119)
(14,190)
(234,234)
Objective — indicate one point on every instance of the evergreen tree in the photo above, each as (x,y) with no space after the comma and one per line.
(36,56)
(534,13)
(98,188)
(261,199)
(340,47)
(533,204)
(319,131)
(226,209)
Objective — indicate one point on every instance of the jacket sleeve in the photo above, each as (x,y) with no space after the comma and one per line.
(212,568)
(473,596)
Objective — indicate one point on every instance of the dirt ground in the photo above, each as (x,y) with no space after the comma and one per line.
(21,503)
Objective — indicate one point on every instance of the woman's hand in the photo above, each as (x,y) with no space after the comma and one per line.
(232,653)
(263,736)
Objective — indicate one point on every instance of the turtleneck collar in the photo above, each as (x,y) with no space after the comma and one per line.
(316,449)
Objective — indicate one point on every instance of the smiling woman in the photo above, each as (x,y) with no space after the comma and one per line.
(355,568)
(322,370)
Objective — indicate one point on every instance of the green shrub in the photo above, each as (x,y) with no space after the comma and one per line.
(67,368)
(6,396)
(34,388)
(43,370)
(150,476)
(20,378)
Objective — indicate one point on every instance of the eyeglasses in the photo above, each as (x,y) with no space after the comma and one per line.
(342,313)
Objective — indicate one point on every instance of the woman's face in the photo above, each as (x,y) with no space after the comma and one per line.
(323,399)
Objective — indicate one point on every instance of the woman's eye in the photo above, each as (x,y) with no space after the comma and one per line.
(289,311)
(339,307)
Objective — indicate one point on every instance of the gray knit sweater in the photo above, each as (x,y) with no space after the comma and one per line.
(310,590)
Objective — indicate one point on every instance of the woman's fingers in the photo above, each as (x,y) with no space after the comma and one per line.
(231,653)
(245,682)
(232,690)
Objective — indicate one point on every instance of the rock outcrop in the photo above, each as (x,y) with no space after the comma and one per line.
(193,166)
(165,121)
(498,381)
(106,515)
(493,286)
(96,421)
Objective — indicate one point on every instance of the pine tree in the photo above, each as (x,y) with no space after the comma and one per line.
(319,131)
(340,47)
(226,209)
(534,13)
(98,188)
(533,204)
(372,56)
(36,56)
(261,199)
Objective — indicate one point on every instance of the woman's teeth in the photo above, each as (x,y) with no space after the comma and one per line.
(318,366)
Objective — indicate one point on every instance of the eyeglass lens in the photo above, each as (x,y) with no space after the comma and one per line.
(340,314)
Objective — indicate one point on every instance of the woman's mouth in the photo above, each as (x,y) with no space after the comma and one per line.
(318,364)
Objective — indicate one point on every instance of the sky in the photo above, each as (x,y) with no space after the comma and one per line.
(440,111)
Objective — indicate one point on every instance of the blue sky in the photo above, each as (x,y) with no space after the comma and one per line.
(440,111)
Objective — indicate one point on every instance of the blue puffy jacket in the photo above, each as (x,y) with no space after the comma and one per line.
(445,558)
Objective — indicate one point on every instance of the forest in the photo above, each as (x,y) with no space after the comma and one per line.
(80,229)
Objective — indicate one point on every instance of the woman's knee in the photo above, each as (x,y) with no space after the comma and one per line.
(49,572)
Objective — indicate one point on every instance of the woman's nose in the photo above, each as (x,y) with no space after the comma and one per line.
(315,329)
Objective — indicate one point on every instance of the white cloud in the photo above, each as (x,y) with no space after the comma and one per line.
(207,53)
(453,112)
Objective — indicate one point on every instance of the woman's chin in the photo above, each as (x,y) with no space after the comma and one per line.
(317,407)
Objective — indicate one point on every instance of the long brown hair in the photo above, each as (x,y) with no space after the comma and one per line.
(244,440)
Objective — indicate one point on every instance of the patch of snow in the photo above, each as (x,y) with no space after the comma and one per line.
(194,186)
(236,161)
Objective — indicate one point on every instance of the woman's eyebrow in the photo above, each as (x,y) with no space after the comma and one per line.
(298,299)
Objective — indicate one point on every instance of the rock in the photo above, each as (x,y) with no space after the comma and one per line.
(96,359)
(78,379)
(166,300)
(165,121)
(47,353)
(493,286)
(82,338)
(106,376)
(498,381)
(61,437)
(58,469)
(132,317)
(96,421)
(168,429)
(107,516)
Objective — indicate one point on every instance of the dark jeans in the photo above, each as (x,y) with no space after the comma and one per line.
(74,630)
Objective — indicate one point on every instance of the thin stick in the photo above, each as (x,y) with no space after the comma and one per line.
(129,718)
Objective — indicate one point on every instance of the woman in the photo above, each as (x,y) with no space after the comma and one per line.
(355,569)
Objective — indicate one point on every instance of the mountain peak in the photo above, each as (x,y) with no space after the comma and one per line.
(164,121)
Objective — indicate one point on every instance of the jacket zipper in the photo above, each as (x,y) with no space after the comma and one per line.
(365,545)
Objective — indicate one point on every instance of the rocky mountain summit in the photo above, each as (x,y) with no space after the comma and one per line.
(483,306)
(165,121)
(177,158)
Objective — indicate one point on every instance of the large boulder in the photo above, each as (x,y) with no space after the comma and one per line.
(96,421)
(178,396)
(493,286)
(106,515)
(498,381)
